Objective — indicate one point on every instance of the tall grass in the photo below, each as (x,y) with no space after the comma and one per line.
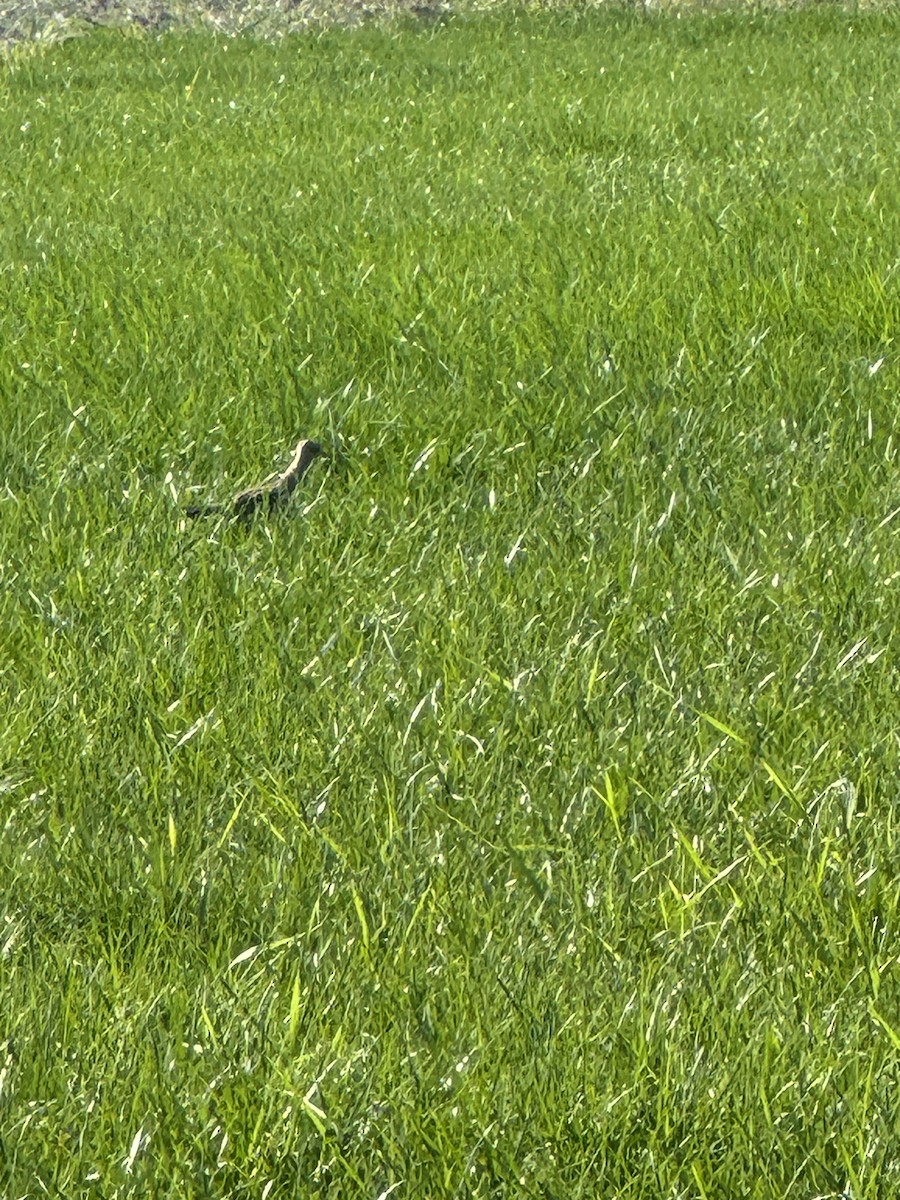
(514,815)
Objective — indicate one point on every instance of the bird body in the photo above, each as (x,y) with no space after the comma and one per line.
(270,494)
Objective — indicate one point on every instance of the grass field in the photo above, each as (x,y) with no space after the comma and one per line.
(516,815)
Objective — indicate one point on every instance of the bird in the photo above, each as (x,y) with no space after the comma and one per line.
(270,494)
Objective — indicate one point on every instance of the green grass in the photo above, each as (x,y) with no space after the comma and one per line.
(516,815)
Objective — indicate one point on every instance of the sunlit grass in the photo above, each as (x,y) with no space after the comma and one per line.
(514,815)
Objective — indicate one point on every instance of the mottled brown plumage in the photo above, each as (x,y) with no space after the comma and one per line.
(270,494)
